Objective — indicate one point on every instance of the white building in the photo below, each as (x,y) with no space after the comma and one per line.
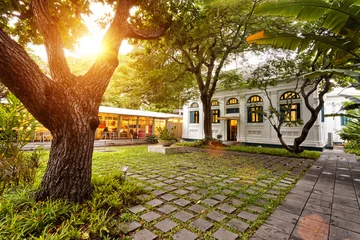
(235,117)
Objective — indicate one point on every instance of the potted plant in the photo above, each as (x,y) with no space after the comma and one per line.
(167,136)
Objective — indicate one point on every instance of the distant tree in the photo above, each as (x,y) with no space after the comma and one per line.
(65,103)
(146,79)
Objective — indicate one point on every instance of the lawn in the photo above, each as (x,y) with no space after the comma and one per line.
(204,193)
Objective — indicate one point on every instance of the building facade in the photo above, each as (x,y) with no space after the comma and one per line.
(235,117)
(121,123)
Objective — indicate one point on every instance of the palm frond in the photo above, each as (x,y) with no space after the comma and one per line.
(302,42)
(340,16)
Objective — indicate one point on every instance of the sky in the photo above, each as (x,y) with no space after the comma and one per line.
(91,44)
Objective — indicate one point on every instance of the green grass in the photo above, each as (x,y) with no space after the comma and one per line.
(275,152)
(21,217)
(261,150)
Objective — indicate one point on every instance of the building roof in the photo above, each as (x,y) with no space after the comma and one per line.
(140,113)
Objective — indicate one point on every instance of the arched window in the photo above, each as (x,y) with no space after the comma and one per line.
(255,99)
(255,112)
(194,105)
(290,110)
(215,103)
(232,101)
(289,95)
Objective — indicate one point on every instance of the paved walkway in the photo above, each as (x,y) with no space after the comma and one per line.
(324,204)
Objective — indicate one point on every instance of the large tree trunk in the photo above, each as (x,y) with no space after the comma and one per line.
(68,173)
(207,116)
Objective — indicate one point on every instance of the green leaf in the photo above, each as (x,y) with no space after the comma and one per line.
(302,42)
(338,15)
(343,72)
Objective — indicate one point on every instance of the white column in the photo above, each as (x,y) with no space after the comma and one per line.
(241,135)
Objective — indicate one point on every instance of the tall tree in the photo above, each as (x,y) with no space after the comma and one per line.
(64,103)
(203,39)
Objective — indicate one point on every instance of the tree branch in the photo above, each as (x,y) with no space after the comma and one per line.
(59,68)
(22,76)
(146,34)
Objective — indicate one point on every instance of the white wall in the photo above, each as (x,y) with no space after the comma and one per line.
(263,132)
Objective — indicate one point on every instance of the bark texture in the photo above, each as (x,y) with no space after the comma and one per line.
(64,103)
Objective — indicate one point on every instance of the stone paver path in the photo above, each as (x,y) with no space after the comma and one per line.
(324,204)
(213,195)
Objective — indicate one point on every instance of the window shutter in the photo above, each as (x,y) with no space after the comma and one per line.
(249,115)
(192,117)
(298,116)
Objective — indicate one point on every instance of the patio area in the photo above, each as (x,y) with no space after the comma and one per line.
(208,194)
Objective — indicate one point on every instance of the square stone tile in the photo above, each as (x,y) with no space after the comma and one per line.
(160,184)
(182,202)
(251,192)
(179,184)
(202,224)
(221,184)
(144,235)
(210,202)
(184,234)
(228,192)
(195,196)
(157,192)
(238,225)
(170,181)
(226,208)
(167,209)
(169,188)
(242,195)
(213,188)
(183,216)
(191,188)
(203,191)
(235,201)
(168,197)
(181,192)
(223,176)
(229,181)
(180,178)
(197,208)
(248,216)
(154,202)
(256,208)
(150,216)
(126,227)
(216,216)
(137,209)
(223,234)
(165,225)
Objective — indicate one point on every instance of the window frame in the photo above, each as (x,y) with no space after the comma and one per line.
(194,105)
(215,114)
(194,117)
(290,99)
(229,103)
(255,103)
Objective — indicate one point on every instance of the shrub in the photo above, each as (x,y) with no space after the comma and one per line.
(151,139)
(21,217)
(166,133)
(19,168)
